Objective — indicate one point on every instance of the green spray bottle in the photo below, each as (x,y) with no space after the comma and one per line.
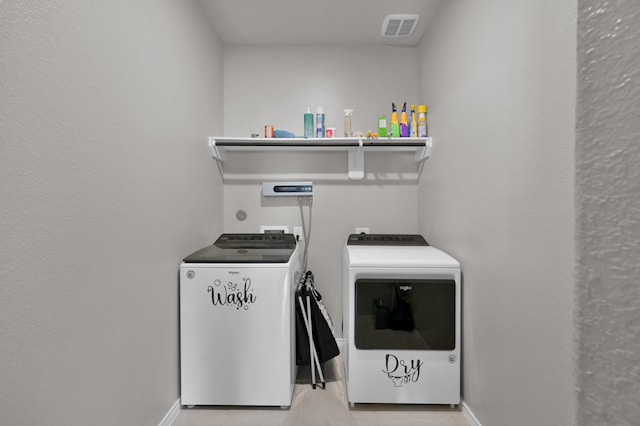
(395,125)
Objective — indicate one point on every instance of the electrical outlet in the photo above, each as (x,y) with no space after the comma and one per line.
(362,230)
(297,231)
(265,229)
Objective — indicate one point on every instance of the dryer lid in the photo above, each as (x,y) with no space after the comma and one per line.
(246,248)
(386,240)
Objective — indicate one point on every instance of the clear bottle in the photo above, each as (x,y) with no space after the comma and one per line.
(347,122)
(308,123)
(320,130)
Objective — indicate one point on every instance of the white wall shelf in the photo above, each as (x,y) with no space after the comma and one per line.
(355,148)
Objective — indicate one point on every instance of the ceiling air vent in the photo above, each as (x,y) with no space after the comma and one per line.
(399,25)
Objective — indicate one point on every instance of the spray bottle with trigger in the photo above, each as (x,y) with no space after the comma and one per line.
(395,126)
(404,122)
(413,123)
(347,122)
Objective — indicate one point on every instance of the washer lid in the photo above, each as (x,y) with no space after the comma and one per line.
(246,248)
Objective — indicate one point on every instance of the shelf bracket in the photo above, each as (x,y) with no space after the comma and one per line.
(216,152)
(356,162)
(424,152)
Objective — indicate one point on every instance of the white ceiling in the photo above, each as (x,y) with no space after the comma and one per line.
(262,22)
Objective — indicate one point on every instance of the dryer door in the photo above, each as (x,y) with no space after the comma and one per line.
(417,314)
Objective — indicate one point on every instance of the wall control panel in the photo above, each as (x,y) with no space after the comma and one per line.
(287,189)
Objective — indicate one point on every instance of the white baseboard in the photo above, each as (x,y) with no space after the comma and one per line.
(468,414)
(171,415)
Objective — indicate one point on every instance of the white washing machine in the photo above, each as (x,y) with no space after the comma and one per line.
(237,321)
(401,321)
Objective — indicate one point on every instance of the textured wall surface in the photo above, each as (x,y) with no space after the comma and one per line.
(105,185)
(608,213)
(497,194)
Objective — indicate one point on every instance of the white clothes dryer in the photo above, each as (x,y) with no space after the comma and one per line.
(402,318)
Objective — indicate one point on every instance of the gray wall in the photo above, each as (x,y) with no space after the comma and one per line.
(499,76)
(608,213)
(105,184)
(262,87)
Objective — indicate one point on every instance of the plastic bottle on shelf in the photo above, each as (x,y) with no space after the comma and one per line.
(347,122)
(422,121)
(404,122)
(413,123)
(382,126)
(308,123)
(320,131)
(395,125)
